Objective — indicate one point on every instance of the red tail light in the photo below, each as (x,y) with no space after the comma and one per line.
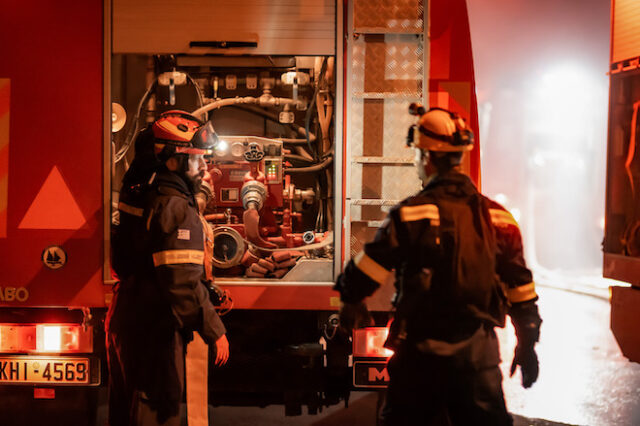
(45,338)
(369,341)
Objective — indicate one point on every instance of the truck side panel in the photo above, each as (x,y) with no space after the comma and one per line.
(451,76)
(52,190)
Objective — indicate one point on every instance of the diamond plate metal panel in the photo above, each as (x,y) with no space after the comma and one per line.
(396,121)
(390,15)
(392,63)
(396,124)
(361,233)
(383,210)
(357,123)
(356,213)
(399,182)
(403,57)
(357,65)
(355,191)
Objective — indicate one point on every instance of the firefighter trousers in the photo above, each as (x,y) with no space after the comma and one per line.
(128,405)
(460,389)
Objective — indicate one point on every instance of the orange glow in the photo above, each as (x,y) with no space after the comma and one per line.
(45,338)
(16,338)
(369,342)
(58,338)
(51,338)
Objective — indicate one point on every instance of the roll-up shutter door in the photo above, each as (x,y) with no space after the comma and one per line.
(626,30)
(260,27)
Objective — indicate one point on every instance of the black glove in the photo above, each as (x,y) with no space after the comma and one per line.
(217,295)
(354,315)
(526,320)
(526,358)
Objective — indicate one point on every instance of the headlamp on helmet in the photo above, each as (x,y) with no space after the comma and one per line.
(183,133)
(439,130)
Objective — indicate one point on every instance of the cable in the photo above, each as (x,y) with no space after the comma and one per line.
(307,118)
(315,168)
(293,142)
(200,95)
(294,157)
(632,147)
(275,119)
(135,126)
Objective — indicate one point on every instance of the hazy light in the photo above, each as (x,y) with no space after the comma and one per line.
(601,223)
(538,160)
(222,147)
(52,338)
(501,198)
(516,213)
(561,100)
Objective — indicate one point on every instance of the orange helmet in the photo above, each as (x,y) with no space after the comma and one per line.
(182,133)
(439,130)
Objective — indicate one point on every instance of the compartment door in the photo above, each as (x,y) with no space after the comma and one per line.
(51,154)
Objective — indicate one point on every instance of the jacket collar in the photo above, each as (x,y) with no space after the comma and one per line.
(171,183)
(452,182)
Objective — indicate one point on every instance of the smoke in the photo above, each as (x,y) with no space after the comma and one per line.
(542,91)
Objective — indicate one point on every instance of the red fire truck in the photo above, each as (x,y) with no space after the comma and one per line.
(310,102)
(622,229)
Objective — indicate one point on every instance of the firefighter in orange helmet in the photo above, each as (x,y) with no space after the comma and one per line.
(459,269)
(158,254)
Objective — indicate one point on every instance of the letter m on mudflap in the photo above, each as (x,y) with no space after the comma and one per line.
(378,374)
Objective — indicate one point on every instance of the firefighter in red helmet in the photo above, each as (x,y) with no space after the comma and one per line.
(158,254)
(459,269)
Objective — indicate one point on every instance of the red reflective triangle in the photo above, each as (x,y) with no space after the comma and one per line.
(54,207)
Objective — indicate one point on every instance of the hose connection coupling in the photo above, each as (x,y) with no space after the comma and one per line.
(254,194)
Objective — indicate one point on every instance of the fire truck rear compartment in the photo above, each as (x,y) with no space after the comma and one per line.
(272,168)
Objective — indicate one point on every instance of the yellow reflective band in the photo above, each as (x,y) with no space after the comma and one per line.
(502,218)
(135,211)
(371,268)
(174,257)
(425,211)
(522,293)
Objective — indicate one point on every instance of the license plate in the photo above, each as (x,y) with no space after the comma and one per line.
(370,374)
(41,370)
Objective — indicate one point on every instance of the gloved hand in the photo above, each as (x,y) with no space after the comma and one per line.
(354,315)
(526,358)
(217,295)
(526,321)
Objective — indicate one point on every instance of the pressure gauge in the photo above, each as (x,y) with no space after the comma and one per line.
(237,149)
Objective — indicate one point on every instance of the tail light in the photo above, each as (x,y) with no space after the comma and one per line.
(45,338)
(369,342)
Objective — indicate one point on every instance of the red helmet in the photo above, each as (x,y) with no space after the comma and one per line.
(183,133)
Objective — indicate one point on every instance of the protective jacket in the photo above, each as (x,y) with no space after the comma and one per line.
(458,264)
(162,297)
